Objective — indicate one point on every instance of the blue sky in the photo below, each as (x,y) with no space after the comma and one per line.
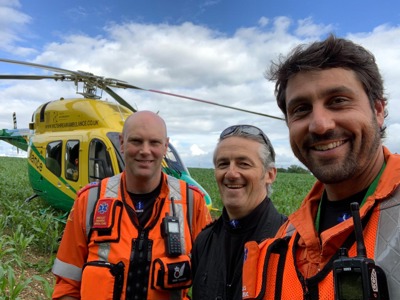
(214,50)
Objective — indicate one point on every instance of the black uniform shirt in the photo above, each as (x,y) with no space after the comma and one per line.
(217,256)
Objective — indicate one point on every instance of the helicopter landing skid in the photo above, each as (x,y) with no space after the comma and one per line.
(31,198)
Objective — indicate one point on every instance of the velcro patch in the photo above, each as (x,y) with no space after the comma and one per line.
(102,218)
(178,272)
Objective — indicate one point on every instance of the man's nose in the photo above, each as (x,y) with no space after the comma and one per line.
(321,121)
(145,149)
(232,171)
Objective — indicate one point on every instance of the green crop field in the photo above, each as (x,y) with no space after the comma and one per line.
(30,232)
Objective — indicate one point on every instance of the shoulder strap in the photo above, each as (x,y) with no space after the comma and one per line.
(93,197)
(278,247)
(189,200)
(263,268)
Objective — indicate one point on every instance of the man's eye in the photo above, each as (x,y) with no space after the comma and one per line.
(135,142)
(244,164)
(301,109)
(155,143)
(338,100)
(221,165)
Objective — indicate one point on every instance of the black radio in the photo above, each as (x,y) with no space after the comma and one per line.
(358,277)
(170,230)
(172,237)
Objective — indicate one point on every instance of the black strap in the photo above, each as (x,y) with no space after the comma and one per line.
(310,285)
(280,247)
(190,205)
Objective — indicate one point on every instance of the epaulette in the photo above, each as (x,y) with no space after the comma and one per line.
(196,188)
(88,186)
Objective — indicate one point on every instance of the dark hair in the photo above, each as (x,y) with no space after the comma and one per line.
(333,52)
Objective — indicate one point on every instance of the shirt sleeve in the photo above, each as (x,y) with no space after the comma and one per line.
(72,252)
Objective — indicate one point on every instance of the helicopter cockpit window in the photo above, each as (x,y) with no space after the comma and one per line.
(114,138)
(53,157)
(72,160)
(174,165)
(99,161)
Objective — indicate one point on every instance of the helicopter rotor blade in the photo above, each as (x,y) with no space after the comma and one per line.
(49,68)
(127,85)
(104,83)
(217,104)
(119,99)
(33,77)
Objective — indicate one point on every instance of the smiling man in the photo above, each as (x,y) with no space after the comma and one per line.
(332,96)
(117,243)
(244,161)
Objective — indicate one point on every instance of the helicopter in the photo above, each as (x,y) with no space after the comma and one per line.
(72,142)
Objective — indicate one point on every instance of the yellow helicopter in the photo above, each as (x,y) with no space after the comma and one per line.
(71,142)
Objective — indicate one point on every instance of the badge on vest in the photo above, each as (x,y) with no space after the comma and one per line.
(172,273)
(102,218)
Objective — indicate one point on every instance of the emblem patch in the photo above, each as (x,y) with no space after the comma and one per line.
(102,216)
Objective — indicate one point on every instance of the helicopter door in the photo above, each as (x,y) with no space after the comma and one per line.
(99,161)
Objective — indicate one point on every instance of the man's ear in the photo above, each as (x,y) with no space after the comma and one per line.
(270,175)
(121,143)
(166,145)
(379,109)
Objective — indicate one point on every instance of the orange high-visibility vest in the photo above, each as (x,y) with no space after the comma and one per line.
(113,258)
(297,263)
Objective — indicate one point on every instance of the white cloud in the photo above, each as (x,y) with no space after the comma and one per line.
(194,61)
(196,150)
(13,24)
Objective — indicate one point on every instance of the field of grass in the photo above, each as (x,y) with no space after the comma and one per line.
(30,232)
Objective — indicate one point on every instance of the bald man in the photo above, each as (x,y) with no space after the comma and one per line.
(117,243)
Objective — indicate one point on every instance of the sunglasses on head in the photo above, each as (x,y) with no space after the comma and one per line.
(250,130)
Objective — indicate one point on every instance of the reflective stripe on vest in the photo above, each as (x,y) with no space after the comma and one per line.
(67,270)
(387,243)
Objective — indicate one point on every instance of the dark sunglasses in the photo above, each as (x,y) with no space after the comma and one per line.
(250,130)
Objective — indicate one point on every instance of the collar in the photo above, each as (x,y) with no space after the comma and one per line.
(248,222)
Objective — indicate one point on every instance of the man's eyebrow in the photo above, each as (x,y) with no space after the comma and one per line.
(326,92)
(337,90)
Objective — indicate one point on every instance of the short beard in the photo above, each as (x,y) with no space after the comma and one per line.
(350,166)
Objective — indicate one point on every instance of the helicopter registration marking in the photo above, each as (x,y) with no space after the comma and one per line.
(73,124)
(35,161)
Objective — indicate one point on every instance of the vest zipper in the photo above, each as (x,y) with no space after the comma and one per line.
(306,292)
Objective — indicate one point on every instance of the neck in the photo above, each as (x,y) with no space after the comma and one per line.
(142,185)
(237,213)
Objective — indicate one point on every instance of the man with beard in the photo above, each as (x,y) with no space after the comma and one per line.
(332,96)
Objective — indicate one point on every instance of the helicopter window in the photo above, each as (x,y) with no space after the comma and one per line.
(72,160)
(53,157)
(174,165)
(114,138)
(99,161)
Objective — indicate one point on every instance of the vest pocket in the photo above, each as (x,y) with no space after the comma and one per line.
(102,280)
(172,273)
